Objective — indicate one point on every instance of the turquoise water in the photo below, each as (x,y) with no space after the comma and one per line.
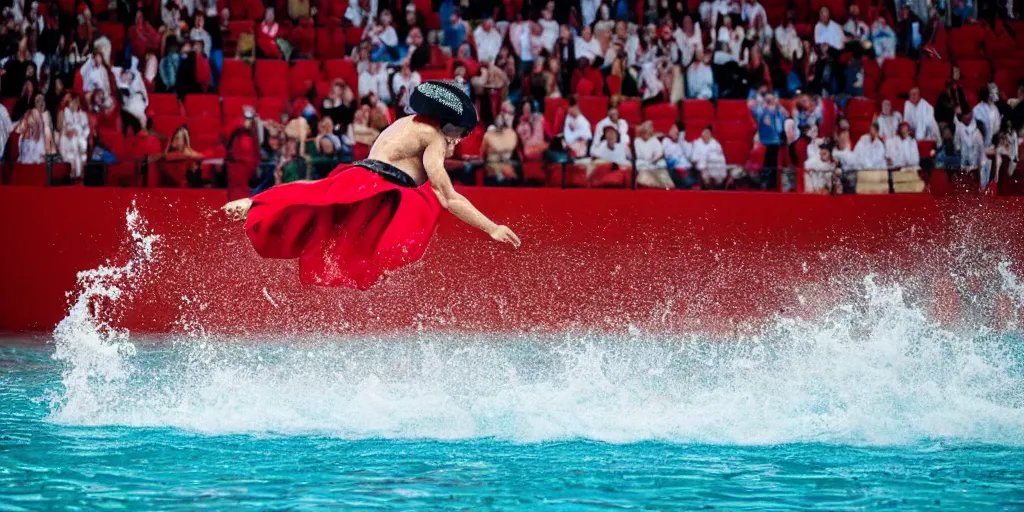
(507,424)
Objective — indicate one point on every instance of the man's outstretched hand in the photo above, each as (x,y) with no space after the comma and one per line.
(505,235)
(237,209)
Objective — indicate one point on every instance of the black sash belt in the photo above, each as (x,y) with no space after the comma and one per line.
(389,172)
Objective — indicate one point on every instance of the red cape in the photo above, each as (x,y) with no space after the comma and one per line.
(346,229)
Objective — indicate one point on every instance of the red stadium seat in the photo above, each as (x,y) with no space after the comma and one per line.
(116,33)
(236,79)
(732,110)
(534,173)
(165,125)
(203,105)
(837,8)
(353,36)
(699,111)
(896,88)
(234,107)
(469,148)
(330,43)
(554,113)
(662,116)
(736,152)
(206,125)
(271,107)
(303,39)
(33,175)
(933,69)
(304,75)
(594,108)
(164,105)
(630,111)
(966,42)
(575,176)
(740,131)
(860,109)
(273,77)
(899,68)
(971,70)
(609,176)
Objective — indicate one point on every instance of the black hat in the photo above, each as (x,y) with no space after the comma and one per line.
(445,101)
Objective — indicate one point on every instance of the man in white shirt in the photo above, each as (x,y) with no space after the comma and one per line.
(700,80)
(753,9)
(403,83)
(986,114)
(901,149)
(587,46)
(613,120)
(576,134)
(611,150)
(790,46)
(870,151)
(855,28)
(375,79)
(488,41)
(827,31)
(920,116)
(547,22)
(588,10)
(888,121)
(709,160)
(359,12)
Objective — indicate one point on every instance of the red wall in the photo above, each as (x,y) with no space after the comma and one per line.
(594,259)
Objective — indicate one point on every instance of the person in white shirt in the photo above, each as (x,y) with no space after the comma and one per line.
(74,137)
(901,150)
(888,121)
(361,11)
(576,134)
(870,151)
(709,160)
(549,27)
(611,150)
(986,114)
(790,46)
(711,11)
(843,153)
(375,79)
(488,41)
(971,140)
(403,83)
(615,121)
(6,127)
(587,46)
(588,10)
(820,171)
(752,9)
(677,149)
(688,39)
(652,170)
(855,28)
(700,80)
(827,31)
(883,39)
(920,115)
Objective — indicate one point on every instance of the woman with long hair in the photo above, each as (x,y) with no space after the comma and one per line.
(74,135)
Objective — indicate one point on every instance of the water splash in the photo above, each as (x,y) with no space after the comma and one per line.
(874,371)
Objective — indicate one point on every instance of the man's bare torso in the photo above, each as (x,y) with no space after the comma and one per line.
(403,143)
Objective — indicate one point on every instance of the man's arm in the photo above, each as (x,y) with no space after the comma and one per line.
(433,162)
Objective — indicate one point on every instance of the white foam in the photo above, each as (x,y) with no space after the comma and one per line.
(875,372)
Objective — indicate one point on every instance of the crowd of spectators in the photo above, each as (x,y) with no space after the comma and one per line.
(559,84)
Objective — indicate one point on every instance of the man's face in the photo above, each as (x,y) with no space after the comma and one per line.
(706,135)
(612,136)
(587,34)
(915,96)
(613,115)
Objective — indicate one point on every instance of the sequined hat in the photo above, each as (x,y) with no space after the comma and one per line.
(445,101)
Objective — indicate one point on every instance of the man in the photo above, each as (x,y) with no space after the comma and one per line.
(752,9)
(378,214)
(901,149)
(828,32)
(614,121)
(700,79)
(870,151)
(576,133)
(987,115)
(709,160)
(488,41)
(587,46)
(677,155)
(920,115)
(610,149)
(770,117)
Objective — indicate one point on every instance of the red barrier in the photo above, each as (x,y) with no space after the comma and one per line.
(591,259)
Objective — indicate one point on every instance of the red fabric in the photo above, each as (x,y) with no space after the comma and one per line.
(144,38)
(347,229)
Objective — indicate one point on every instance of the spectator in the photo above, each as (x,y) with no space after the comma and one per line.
(363,132)
(712,11)
(700,80)
(488,40)
(267,40)
(142,37)
(588,10)
(32,145)
(418,53)
(96,75)
(971,140)
(200,34)
(770,117)
(828,32)
(25,102)
(169,67)
(373,79)
(587,47)
(952,102)
(292,166)
(179,149)
(888,121)
(524,44)
(821,172)
(709,160)
(576,132)
(652,169)
(986,114)
(339,105)
(790,46)
(611,150)
(901,150)
(243,147)
(531,130)
(74,136)
(855,28)
(549,27)
(688,39)
(843,152)
(1007,147)
(361,11)
(383,38)
(39,105)
(870,151)
(454,28)
(499,145)
(134,99)
(920,115)
(678,153)
(883,39)
(753,12)
(613,120)
(947,153)
(403,83)
(6,127)
(1016,111)
(327,143)
(413,19)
